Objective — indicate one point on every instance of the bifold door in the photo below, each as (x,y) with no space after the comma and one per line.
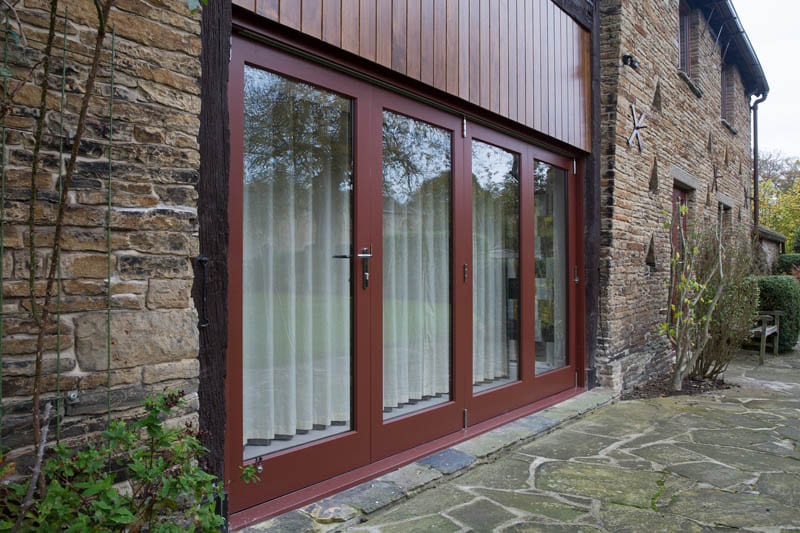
(397,273)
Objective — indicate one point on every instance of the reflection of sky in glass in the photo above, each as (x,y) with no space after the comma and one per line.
(493,168)
(414,152)
(292,129)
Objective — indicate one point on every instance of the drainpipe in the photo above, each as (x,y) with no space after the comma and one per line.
(754,107)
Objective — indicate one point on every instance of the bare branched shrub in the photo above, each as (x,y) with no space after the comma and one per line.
(732,318)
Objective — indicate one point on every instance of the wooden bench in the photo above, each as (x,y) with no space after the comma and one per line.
(766,328)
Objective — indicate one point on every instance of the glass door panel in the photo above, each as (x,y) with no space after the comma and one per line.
(417,168)
(495,260)
(550,250)
(297,241)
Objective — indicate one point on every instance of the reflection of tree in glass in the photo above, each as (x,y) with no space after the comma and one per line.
(495,170)
(542,177)
(293,131)
(414,152)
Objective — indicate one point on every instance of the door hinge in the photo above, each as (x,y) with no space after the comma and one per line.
(574,166)
(576,378)
(466,419)
(464,127)
(577,278)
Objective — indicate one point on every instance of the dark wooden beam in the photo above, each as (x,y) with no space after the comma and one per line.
(592,210)
(210,289)
(580,10)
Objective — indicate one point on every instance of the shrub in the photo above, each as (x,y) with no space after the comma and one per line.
(786,262)
(782,293)
(732,318)
(169,491)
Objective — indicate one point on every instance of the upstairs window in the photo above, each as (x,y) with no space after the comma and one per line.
(728,94)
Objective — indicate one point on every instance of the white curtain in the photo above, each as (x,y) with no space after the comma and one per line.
(416,262)
(551,266)
(495,245)
(296,295)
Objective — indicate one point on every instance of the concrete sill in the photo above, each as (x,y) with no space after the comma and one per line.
(695,89)
(730,127)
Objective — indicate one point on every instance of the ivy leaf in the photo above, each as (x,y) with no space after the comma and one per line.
(5,73)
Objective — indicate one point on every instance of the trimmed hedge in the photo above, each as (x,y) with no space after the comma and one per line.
(787,261)
(782,293)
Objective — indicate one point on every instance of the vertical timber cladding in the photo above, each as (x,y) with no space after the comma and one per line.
(525,60)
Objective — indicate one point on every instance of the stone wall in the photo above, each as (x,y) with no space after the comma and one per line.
(686,142)
(152,178)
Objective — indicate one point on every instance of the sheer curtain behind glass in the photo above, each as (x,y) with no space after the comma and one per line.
(296,295)
(416,264)
(550,234)
(495,257)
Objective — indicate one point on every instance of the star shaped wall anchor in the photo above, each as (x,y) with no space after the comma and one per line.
(638,125)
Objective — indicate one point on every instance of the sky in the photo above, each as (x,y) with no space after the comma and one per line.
(772,26)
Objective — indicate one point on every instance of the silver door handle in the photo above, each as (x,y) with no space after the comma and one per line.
(365,255)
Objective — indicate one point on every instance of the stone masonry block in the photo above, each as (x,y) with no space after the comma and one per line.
(185,369)
(169,294)
(138,338)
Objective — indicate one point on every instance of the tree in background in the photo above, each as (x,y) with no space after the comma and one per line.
(779,194)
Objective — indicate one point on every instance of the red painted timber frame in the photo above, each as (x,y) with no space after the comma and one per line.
(297,476)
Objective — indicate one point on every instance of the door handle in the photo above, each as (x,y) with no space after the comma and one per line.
(365,255)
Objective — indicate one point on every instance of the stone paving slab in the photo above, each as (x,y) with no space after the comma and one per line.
(723,461)
(354,505)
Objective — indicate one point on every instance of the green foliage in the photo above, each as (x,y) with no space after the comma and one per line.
(782,293)
(796,241)
(169,491)
(780,209)
(786,262)
(733,316)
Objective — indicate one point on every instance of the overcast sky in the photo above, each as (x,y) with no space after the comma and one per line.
(772,26)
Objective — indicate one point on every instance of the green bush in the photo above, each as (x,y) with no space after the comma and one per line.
(782,293)
(169,491)
(787,261)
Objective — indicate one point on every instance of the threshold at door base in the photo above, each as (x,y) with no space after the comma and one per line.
(432,463)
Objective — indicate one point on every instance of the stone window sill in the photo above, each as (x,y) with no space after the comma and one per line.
(695,89)
(730,127)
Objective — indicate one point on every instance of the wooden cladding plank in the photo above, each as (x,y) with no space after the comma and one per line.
(485,54)
(250,5)
(503,52)
(586,91)
(331,22)
(426,37)
(464,49)
(523,61)
(367,24)
(413,30)
(533,89)
(311,19)
(526,60)
(399,36)
(455,53)
(512,59)
(350,23)
(474,40)
(268,8)
(494,56)
(440,44)
(383,37)
(290,14)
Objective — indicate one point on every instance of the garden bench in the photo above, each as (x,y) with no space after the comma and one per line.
(766,328)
